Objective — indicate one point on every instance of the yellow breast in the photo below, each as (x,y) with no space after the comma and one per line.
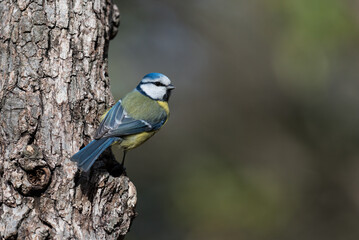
(164,105)
(132,141)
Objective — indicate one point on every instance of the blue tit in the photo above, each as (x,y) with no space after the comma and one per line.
(131,121)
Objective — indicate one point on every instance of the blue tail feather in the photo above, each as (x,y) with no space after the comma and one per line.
(86,157)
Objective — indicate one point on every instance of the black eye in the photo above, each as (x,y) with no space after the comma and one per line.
(158,84)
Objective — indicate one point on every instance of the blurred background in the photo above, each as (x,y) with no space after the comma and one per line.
(263,139)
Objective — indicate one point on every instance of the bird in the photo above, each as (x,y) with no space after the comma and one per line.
(131,121)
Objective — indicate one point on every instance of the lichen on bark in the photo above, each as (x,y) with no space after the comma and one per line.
(53,86)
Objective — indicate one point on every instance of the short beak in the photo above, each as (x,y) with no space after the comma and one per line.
(170,87)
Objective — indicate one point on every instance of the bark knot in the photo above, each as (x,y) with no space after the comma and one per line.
(39,178)
(34,174)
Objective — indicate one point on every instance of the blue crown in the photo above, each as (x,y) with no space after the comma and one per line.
(153,75)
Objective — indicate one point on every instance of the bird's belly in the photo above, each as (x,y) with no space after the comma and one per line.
(135,140)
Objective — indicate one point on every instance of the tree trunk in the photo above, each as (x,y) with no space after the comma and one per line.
(53,86)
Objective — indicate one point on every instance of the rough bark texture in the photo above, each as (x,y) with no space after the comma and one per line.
(53,87)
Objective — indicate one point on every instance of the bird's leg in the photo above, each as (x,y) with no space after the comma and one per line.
(123,159)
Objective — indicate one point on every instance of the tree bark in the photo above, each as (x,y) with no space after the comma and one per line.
(53,86)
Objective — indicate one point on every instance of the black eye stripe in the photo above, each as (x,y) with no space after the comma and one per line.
(159,84)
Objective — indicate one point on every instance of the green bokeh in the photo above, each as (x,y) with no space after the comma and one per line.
(262,142)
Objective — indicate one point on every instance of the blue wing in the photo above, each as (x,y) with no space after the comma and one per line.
(117,123)
(112,118)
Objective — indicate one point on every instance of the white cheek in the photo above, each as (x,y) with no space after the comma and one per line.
(153,91)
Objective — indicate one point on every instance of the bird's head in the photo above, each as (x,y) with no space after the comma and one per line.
(156,86)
